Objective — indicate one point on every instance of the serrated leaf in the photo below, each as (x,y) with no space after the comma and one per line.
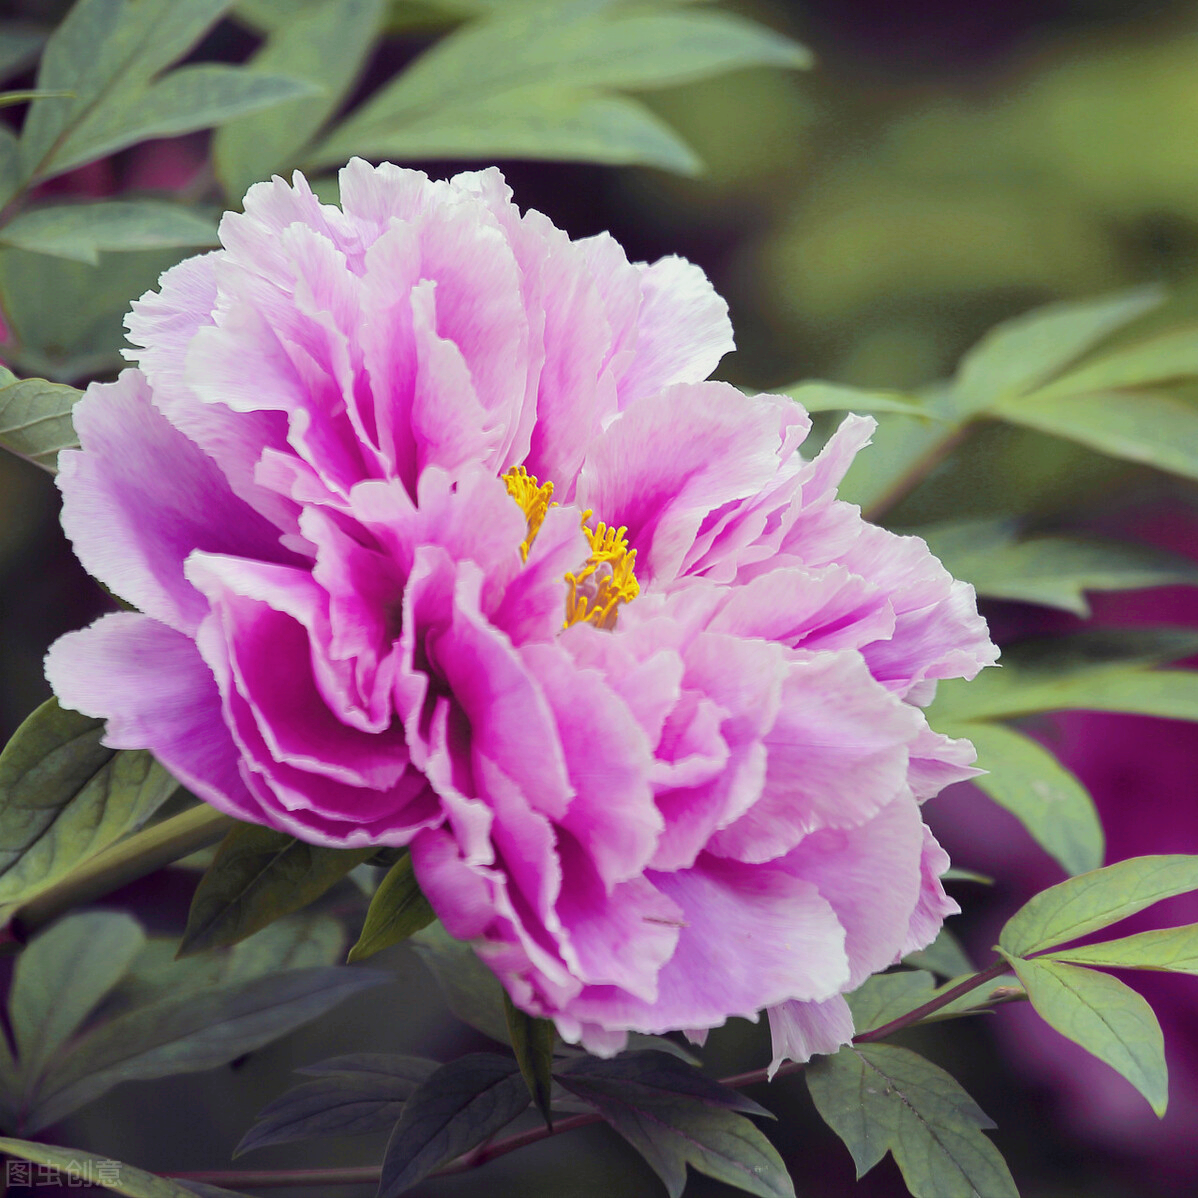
(945,957)
(1171,950)
(527,82)
(818,396)
(64,797)
(1105,1017)
(397,910)
(880,1098)
(61,977)
(1050,801)
(471,990)
(1049,570)
(326,45)
(78,1168)
(35,418)
(1025,352)
(1094,900)
(341,1102)
(189,1032)
(81,231)
(886,996)
(533,1041)
(258,876)
(460,1106)
(675,1116)
(1136,426)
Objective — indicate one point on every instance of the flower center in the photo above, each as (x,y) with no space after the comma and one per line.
(595,592)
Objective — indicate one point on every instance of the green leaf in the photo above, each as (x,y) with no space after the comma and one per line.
(188,1032)
(674,1116)
(1095,671)
(397,911)
(530,82)
(325,45)
(108,53)
(35,418)
(1141,426)
(86,1168)
(8,99)
(66,317)
(1171,950)
(1026,352)
(81,231)
(945,957)
(817,396)
(460,1106)
(1093,900)
(1029,782)
(61,977)
(1159,359)
(533,1041)
(880,1098)
(1104,1016)
(297,941)
(259,875)
(64,796)
(886,996)
(1049,570)
(341,1101)
(471,990)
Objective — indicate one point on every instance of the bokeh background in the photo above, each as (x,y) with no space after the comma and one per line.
(944,166)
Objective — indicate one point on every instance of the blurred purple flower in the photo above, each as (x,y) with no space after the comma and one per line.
(660,770)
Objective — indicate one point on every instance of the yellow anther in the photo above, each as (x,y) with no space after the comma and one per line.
(534,501)
(595,592)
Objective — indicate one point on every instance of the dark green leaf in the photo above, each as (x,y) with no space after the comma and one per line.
(1026,352)
(188,1032)
(533,1041)
(1094,900)
(1141,426)
(35,418)
(81,231)
(675,1116)
(878,1097)
(1173,950)
(886,996)
(258,876)
(1029,782)
(382,1064)
(818,396)
(944,956)
(472,991)
(61,977)
(397,910)
(326,45)
(64,796)
(294,942)
(1105,1017)
(528,81)
(460,1106)
(79,1168)
(1049,570)
(341,1103)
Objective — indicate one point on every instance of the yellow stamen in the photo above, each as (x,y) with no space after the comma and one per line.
(534,501)
(595,592)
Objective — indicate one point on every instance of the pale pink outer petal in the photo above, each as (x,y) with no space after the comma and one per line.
(140,497)
(801,1030)
(933,906)
(152,686)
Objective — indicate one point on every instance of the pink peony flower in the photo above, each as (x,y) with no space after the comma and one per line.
(441,539)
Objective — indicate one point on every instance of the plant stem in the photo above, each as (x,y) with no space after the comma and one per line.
(124,862)
(369,1175)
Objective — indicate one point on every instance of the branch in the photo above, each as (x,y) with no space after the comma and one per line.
(369,1175)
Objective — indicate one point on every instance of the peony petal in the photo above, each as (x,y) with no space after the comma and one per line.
(800,1030)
